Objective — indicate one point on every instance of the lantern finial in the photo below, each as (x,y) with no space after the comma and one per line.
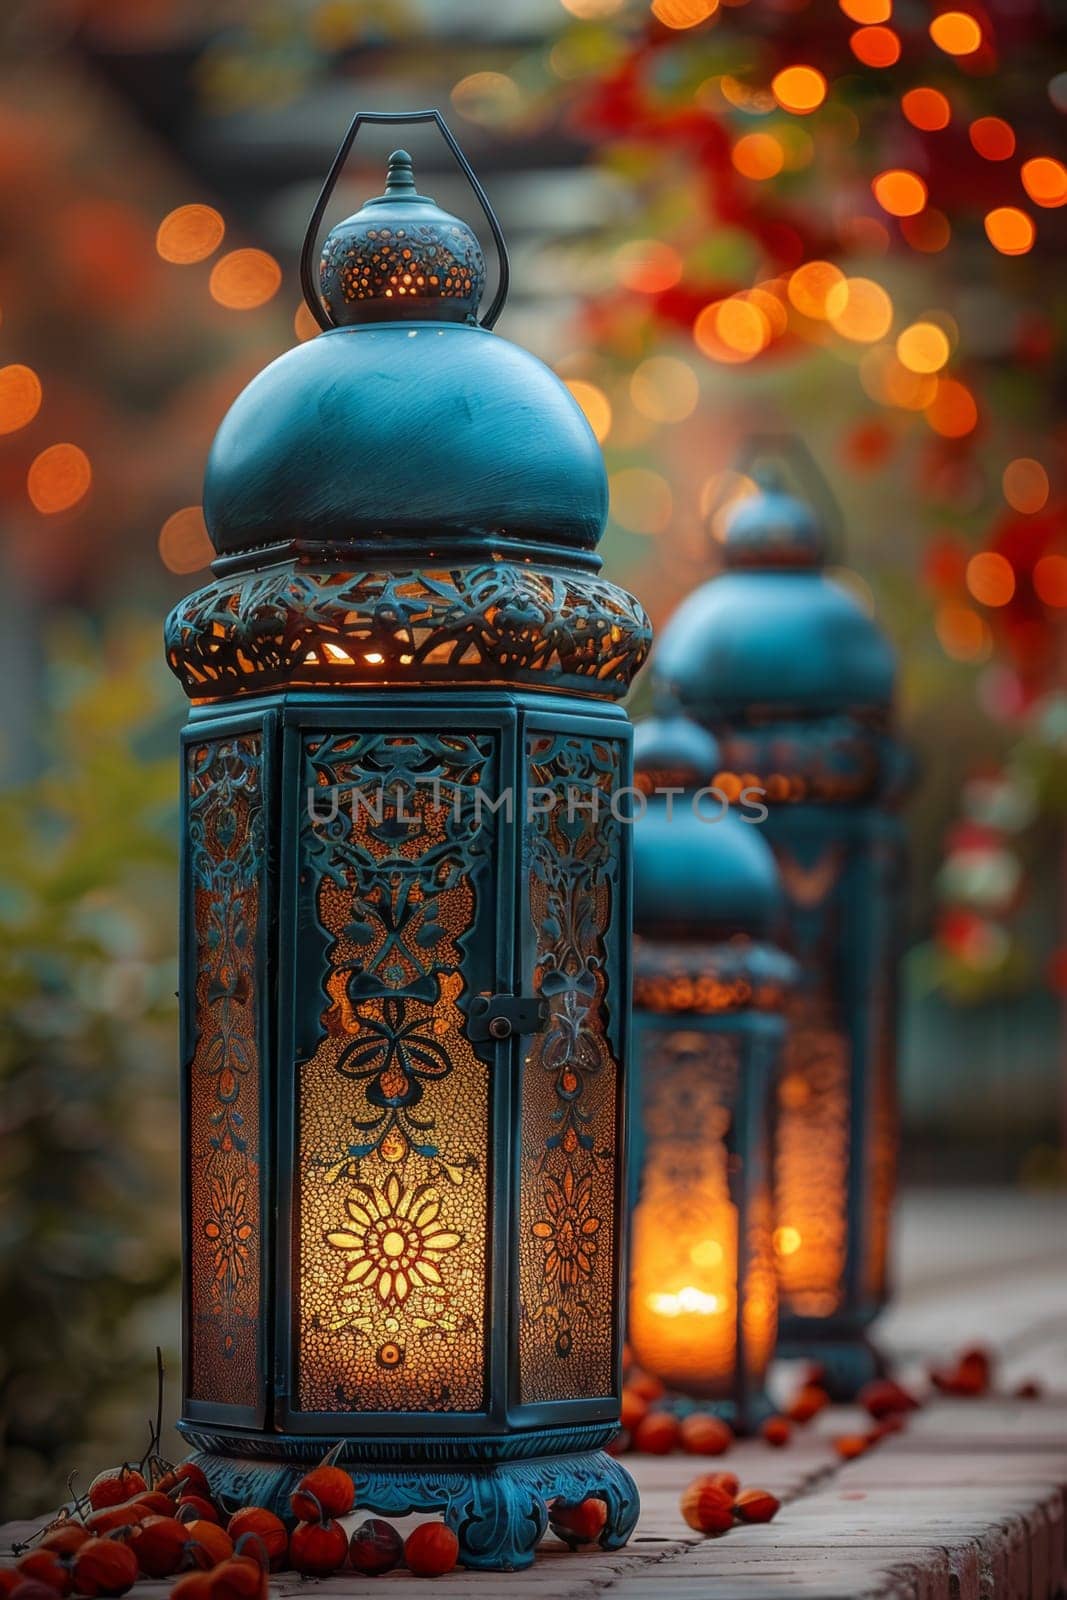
(400,178)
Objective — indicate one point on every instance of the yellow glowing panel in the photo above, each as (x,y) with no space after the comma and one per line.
(394,1105)
(812,1163)
(568,1116)
(683,1312)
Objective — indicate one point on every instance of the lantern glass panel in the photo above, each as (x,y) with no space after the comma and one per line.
(570,1162)
(394,1104)
(224,796)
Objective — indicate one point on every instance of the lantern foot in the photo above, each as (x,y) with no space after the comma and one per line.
(499,1510)
(847,1362)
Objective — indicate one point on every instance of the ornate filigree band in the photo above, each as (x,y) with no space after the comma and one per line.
(298,625)
(738,975)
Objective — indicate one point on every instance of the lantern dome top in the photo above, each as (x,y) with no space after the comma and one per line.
(773,633)
(672,751)
(401,257)
(407,426)
(773,528)
(701,872)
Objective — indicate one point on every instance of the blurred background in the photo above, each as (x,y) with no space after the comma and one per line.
(838,220)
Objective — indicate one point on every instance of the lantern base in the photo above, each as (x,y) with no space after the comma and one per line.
(849,1360)
(499,1510)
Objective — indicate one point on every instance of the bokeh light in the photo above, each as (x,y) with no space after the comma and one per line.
(930,231)
(683,13)
(590,10)
(1045,181)
(758,156)
(191,233)
(647,266)
(810,285)
(875,47)
(490,99)
(885,378)
(900,192)
(993,138)
(859,309)
(595,403)
(304,325)
(664,389)
(867,11)
(640,500)
(1025,485)
(926,109)
(20,397)
(718,496)
(799,89)
(962,633)
(952,412)
(184,544)
(732,330)
(1050,580)
(923,347)
(58,478)
(990,578)
(1010,230)
(956,33)
(245,279)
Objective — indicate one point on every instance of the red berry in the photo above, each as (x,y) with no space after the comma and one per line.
(208,1543)
(634,1408)
(807,1403)
(65,1537)
(112,1488)
(104,1567)
(777,1431)
(657,1434)
(707,1508)
(112,1518)
(851,1445)
(756,1505)
(728,1482)
(885,1398)
(9,1579)
(159,1544)
(257,1524)
(323,1493)
(192,1586)
(431,1549)
(580,1524)
(317,1548)
(375,1547)
(46,1566)
(32,1589)
(187,1478)
(646,1385)
(705,1435)
(194,1505)
(240,1578)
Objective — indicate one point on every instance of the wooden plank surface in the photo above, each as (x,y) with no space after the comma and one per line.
(969,1503)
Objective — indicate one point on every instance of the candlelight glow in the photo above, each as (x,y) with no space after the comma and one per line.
(956,32)
(799,89)
(875,47)
(687,1299)
(926,109)
(189,234)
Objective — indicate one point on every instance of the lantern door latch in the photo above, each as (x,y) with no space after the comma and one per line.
(498,1016)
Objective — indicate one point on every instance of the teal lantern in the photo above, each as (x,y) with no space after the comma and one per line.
(406,911)
(709,998)
(789,671)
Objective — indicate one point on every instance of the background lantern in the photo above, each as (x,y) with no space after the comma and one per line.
(785,665)
(406,910)
(709,993)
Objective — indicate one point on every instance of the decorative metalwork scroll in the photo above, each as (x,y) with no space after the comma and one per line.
(225,864)
(393,1150)
(567,1231)
(498,623)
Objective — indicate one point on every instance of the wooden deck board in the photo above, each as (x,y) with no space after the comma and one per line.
(970,1503)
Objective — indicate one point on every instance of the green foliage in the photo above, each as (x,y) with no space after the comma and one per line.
(89,1214)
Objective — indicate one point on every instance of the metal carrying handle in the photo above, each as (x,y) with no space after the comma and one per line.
(307,253)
